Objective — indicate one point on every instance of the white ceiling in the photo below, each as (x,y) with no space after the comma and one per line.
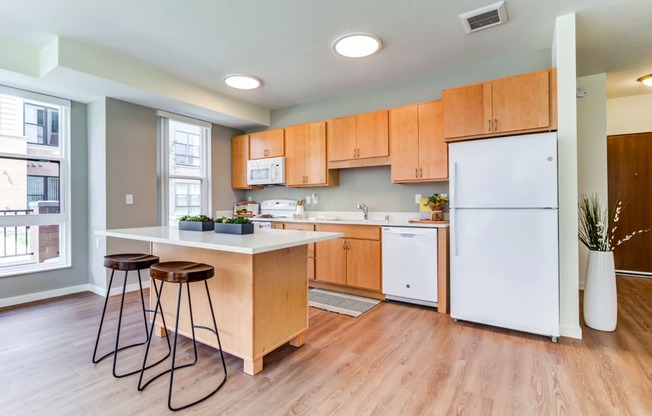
(288,43)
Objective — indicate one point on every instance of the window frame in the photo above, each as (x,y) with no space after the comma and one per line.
(164,174)
(63,217)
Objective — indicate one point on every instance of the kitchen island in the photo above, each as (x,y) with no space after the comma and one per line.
(259,291)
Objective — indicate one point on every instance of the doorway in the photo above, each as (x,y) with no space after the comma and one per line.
(629,167)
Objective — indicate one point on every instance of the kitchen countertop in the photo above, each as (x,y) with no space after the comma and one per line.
(344,219)
(262,240)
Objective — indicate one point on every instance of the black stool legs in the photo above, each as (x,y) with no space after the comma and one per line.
(173,366)
(117,338)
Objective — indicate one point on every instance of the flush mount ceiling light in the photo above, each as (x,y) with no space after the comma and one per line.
(357,45)
(646,80)
(242,82)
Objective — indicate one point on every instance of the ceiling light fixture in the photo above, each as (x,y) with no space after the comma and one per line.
(646,80)
(242,82)
(357,45)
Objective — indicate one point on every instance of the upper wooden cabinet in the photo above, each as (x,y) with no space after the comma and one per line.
(418,150)
(305,156)
(517,104)
(239,157)
(267,143)
(354,138)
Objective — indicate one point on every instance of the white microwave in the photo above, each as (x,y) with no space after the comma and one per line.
(269,171)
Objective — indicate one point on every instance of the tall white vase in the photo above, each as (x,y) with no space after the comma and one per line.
(600,296)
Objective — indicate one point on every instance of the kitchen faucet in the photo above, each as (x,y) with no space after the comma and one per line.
(365,210)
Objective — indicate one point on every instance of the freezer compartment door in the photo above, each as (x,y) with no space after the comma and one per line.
(505,268)
(517,171)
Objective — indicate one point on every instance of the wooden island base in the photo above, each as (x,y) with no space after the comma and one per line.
(260,300)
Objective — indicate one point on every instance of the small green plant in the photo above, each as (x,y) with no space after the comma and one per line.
(232,220)
(597,225)
(195,218)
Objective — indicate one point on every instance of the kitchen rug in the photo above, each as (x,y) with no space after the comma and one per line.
(341,303)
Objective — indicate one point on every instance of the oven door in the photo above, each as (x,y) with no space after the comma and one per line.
(262,224)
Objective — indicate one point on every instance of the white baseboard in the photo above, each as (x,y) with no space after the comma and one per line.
(17,300)
(115,290)
(570,331)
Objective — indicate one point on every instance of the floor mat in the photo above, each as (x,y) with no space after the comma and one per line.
(342,303)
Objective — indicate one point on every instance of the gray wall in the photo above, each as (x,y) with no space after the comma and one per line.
(26,284)
(223,197)
(370,185)
(373,185)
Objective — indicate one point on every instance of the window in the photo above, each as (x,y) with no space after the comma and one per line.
(184,167)
(34,182)
(41,124)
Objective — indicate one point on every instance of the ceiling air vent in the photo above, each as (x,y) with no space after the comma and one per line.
(485,17)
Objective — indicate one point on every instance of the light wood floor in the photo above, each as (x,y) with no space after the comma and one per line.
(396,359)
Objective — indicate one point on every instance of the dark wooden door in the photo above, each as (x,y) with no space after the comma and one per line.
(629,166)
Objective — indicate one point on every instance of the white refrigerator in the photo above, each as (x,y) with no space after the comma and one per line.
(504,255)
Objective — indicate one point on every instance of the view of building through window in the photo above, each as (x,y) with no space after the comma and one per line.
(30,182)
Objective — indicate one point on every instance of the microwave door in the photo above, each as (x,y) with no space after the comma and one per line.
(259,175)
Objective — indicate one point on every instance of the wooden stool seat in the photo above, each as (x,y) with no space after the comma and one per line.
(181,271)
(129,261)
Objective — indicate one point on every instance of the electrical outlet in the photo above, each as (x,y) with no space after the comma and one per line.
(129,199)
(97,242)
(417,198)
(315,199)
(249,199)
(308,200)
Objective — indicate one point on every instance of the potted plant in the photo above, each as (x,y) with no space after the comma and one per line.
(436,203)
(196,223)
(597,229)
(234,225)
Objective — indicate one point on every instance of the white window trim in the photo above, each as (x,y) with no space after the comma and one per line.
(164,166)
(63,219)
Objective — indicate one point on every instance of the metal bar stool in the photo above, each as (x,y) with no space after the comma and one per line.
(181,272)
(127,262)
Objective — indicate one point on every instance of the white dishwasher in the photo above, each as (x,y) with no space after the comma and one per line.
(410,264)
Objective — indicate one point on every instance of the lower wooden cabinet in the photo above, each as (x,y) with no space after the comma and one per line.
(351,261)
(311,247)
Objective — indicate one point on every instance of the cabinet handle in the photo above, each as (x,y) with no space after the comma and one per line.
(495,124)
(416,172)
(489,125)
(343,244)
(421,172)
(347,245)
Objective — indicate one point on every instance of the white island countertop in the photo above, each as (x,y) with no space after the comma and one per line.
(262,240)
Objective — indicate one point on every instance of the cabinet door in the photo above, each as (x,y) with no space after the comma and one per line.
(467,110)
(363,264)
(330,261)
(295,157)
(315,153)
(303,227)
(372,134)
(341,133)
(433,151)
(404,143)
(258,145)
(239,157)
(277,225)
(275,143)
(269,143)
(521,102)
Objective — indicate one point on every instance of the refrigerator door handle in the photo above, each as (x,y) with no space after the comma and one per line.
(453,230)
(453,187)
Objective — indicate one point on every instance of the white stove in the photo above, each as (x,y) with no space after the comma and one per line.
(274,208)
